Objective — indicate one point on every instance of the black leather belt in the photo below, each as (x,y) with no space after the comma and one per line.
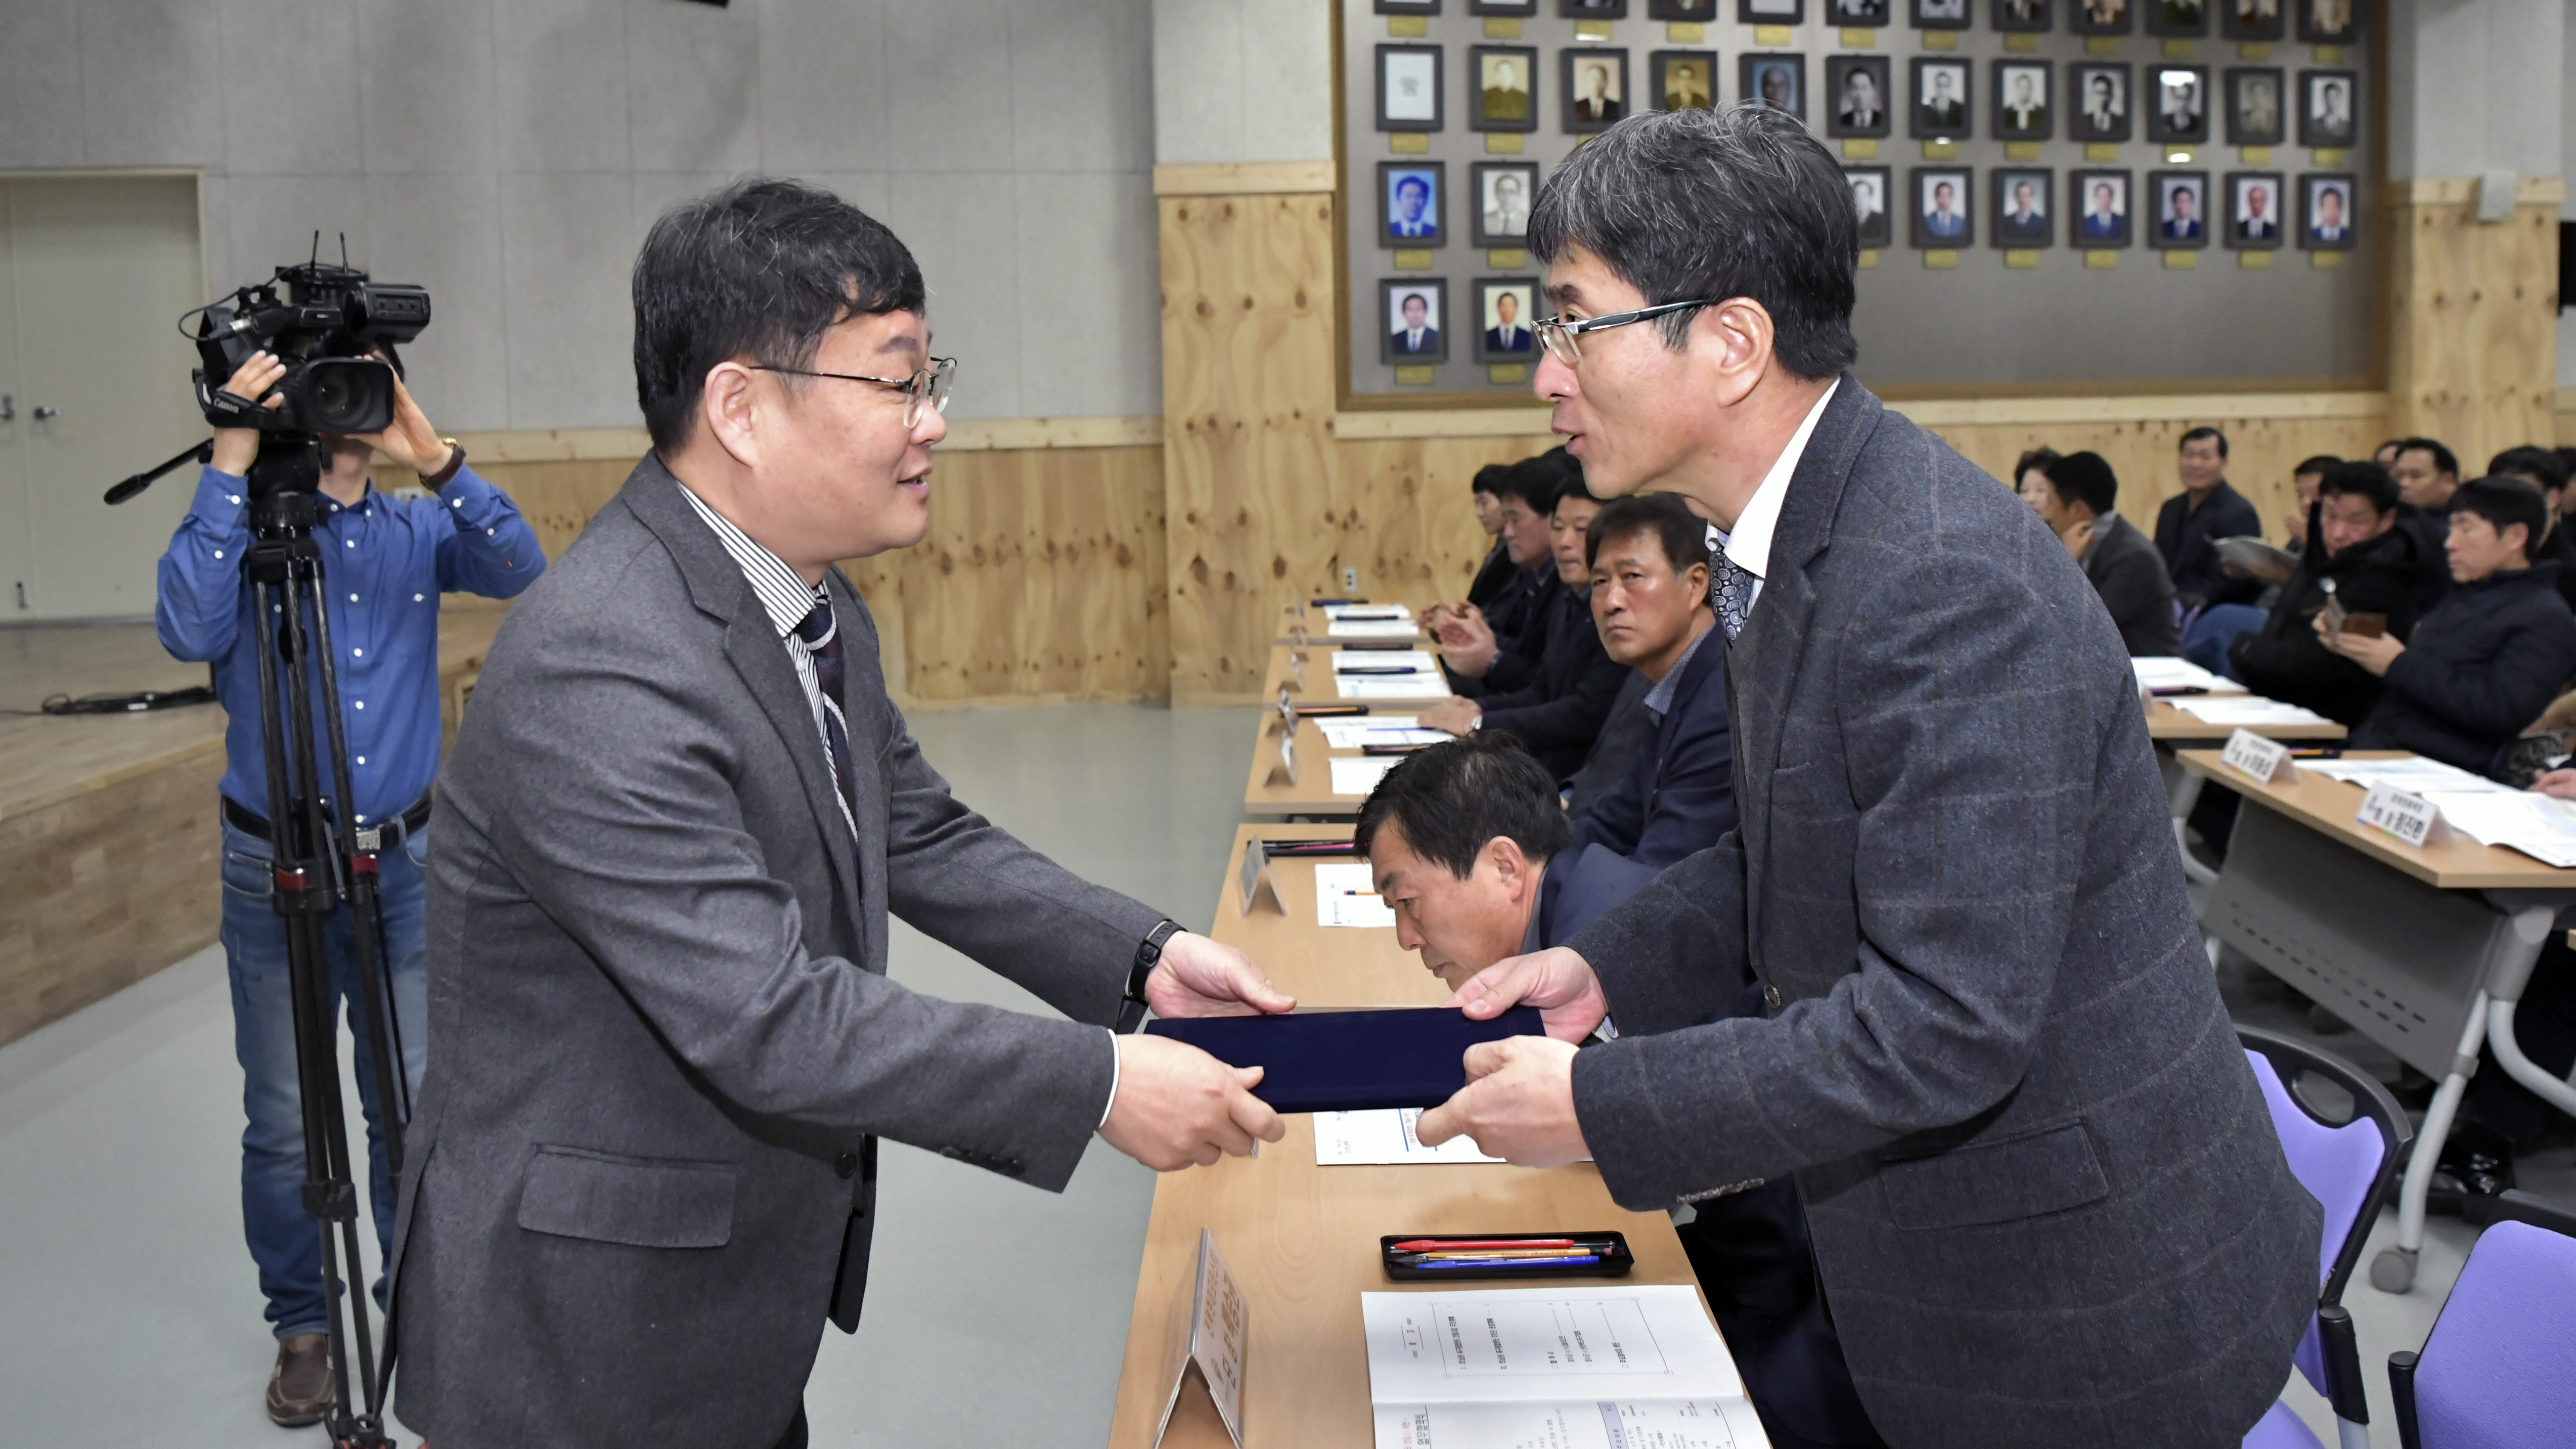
(395,832)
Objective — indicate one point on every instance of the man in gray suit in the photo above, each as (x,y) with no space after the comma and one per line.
(2046,1200)
(643,1170)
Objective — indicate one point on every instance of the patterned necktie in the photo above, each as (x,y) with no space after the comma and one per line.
(822,638)
(1731,595)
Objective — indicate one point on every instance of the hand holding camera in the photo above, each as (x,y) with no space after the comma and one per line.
(254,381)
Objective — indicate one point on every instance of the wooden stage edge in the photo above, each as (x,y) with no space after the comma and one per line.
(108,839)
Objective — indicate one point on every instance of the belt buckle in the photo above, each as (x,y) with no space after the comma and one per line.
(371,839)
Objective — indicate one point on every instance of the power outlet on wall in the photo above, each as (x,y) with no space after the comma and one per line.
(1350,580)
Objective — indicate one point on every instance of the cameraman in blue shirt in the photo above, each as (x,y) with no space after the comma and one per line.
(385,560)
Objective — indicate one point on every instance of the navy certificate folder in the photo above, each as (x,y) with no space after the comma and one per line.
(1350,1061)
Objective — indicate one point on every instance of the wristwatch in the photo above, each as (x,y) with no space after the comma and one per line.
(446,475)
(1131,1010)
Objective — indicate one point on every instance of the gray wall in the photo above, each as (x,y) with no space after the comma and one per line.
(1242,80)
(510,153)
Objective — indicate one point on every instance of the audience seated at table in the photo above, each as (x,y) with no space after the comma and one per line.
(2543,469)
(2074,495)
(1495,575)
(1559,713)
(2490,657)
(1649,561)
(1495,647)
(2354,545)
(1468,848)
(2427,475)
(2190,523)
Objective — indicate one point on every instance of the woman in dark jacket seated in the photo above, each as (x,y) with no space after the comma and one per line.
(2356,555)
(2490,657)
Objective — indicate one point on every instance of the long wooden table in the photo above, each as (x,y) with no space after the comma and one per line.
(1266,796)
(2166,724)
(1308,673)
(1302,1239)
(1304,623)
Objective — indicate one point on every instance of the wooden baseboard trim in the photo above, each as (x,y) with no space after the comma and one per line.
(1243,178)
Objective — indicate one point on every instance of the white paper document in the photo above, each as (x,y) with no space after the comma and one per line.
(1367,612)
(2536,825)
(1349,661)
(2411,773)
(2246,709)
(1392,686)
(2172,672)
(1346,895)
(1377,729)
(1553,1368)
(1384,1138)
(1372,629)
(1360,776)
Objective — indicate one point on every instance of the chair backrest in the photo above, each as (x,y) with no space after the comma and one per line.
(2500,1365)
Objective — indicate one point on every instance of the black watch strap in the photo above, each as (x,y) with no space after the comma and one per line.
(1131,1008)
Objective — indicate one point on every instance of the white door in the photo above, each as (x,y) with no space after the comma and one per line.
(99,271)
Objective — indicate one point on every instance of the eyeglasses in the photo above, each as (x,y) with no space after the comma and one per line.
(1558,335)
(930,385)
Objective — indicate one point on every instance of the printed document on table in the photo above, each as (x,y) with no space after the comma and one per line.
(2411,773)
(1377,729)
(2171,672)
(1392,686)
(1360,776)
(2246,709)
(2536,825)
(1347,660)
(1366,612)
(1610,1424)
(1384,1138)
(1371,629)
(1346,895)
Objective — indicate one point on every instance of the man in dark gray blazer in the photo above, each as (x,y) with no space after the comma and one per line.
(2046,1200)
(643,1170)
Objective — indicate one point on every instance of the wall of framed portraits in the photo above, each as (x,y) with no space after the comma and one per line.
(2053,193)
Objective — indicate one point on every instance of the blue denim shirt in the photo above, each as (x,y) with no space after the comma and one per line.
(385,562)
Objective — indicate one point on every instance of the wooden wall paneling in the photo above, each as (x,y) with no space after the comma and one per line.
(1416,494)
(2473,317)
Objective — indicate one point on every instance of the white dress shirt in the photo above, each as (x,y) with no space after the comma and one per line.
(1748,547)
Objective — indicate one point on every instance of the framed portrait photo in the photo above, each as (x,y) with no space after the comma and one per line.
(2178,17)
(1939,14)
(2256,20)
(1856,14)
(2024,110)
(2180,221)
(2023,196)
(1775,79)
(2254,210)
(1684,80)
(2180,110)
(1944,213)
(1940,110)
(1414,317)
(1595,85)
(2327,22)
(2255,115)
(2100,17)
(1502,88)
(1771,12)
(2023,17)
(1408,88)
(1869,187)
(1408,7)
(2327,110)
(2326,220)
(1856,95)
(1525,9)
(1593,9)
(1413,203)
(1504,190)
(2098,95)
(2097,210)
(1504,308)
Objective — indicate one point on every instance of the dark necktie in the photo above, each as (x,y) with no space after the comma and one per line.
(1731,595)
(822,636)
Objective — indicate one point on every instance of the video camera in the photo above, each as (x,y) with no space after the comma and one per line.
(323,328)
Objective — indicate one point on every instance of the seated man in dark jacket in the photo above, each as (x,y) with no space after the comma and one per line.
(1649,560)
(2121,562)
(2206,510)
(1495,647)
(2543,469)
(2358,555)
(1560,714)
(1494,577)
(1469,850)
(2490,657)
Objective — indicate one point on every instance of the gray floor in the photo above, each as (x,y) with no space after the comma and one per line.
(129,1308)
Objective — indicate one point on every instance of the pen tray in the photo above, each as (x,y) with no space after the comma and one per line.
(1616,1263)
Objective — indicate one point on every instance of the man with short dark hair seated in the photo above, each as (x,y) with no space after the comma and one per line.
(2075,500)
(1559,714)
(2191,522)
(2358,556)
(2490,657)
(2543,469)
(2427,474)
(1494,577)
(1649,560)
(1495,647)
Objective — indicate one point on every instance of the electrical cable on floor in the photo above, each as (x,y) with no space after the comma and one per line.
(139,702)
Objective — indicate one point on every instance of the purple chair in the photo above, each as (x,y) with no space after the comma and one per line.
(2342,1158)
(2499,1368)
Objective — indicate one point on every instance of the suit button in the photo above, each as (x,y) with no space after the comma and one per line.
(847,1165)
(1771,996)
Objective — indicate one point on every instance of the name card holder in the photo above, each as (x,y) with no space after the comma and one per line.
(2260,760)
(1253,884)
(1207,1343)
(2404,815)
(1283,771)
(1295,683)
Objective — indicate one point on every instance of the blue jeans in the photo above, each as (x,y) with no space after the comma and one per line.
(285,1239)
(2215,631)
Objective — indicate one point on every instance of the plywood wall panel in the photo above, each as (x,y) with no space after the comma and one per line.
(2473,346)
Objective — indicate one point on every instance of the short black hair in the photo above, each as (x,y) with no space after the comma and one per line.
(1489,479)
(2361,478)
(2038,458)
(2196,434)
(1534,481)
(2084,478)
(760,269)
(1455,797)
(2503,502)
(2541,465)
(1705,205)
(1416,182)
(2318,465)
(2444,460)
(1683,535)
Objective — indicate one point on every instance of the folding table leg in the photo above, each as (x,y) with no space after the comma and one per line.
(2184,795)
(2393,1271)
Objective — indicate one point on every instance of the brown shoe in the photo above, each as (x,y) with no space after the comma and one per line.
(299,1389)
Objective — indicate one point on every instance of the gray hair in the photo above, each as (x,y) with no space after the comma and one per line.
(1706,205)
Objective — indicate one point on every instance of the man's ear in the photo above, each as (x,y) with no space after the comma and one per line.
(729,409)
(1737,337)
(1695,579)
(1512,867)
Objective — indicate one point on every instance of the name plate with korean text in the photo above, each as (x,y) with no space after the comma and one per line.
(2407,817)
(2257,759)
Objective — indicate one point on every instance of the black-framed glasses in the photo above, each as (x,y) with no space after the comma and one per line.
(1558,335)
(930,385)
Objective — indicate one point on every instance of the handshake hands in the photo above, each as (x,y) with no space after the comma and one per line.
(1176,1106)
